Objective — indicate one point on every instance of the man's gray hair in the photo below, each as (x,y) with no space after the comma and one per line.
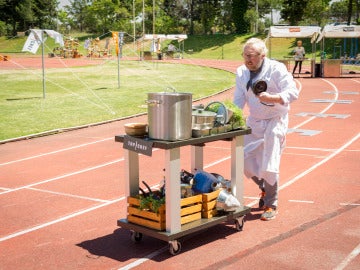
(257,44)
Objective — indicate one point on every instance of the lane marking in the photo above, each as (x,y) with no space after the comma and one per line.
(335,101)
(38,227)
(55,152)
(301,201)
(69,195)
(64,176)
(146,258)
(304,132)
(324,115)
(296,178)
(342,92)
(324,110)
(305,155)
(350,204)
(311,148)
(355,252)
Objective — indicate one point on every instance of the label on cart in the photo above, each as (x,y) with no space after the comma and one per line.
(138,145)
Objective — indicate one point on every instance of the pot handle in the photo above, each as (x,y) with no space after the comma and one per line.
(153,102)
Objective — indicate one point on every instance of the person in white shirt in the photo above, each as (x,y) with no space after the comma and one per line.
(267,88)
(299,55)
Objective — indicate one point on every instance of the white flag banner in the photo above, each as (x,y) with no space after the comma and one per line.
(56,36)
(35,39)
(32,43)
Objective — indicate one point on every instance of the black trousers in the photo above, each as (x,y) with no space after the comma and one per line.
(296,64)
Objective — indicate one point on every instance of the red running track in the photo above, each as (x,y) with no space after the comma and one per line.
(61,195)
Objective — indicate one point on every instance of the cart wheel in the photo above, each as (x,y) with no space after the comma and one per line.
(239,224)
(174,247)
(136,236)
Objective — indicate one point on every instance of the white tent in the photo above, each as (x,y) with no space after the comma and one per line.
(158,38)
(311,32)
(341,31)
(295,32)
(179,37)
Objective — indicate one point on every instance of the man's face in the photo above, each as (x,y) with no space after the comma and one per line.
(252,58)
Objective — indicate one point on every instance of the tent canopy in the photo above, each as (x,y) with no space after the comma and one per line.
(295,32)
(179,37)
(340,31)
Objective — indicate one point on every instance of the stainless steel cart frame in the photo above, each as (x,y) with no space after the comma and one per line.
(174,229)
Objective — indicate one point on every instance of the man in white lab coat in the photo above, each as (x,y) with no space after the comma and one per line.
(267,88)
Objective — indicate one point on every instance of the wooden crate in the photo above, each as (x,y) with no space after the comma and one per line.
(209,204)
(144,217)
(190,211)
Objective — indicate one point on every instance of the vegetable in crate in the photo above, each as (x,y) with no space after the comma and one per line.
(151,200)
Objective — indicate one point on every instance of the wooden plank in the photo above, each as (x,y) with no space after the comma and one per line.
(190,218)
(190,210)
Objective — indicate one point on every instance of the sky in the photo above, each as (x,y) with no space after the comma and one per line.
(63,3)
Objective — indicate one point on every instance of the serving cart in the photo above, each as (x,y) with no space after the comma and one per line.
(133,147)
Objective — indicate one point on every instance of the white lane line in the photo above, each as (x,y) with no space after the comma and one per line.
(324,110)
(79,213)
(311,148)
(301,201)
(55,152)
(69,195)
(355,252)
(350,204)
(295,179)
(146,258)
(64,176)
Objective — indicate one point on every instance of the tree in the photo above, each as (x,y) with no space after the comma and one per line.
(316,12)
(345,11)
(239,9)
(78,10)
(20,15)
(293,11)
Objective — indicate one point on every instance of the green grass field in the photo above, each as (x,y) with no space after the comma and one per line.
(84,95)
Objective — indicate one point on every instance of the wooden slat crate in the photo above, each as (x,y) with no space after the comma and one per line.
(209,204)
(144,217)
(190,211)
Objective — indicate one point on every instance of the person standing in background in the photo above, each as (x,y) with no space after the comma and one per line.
(299,55)
(268,118)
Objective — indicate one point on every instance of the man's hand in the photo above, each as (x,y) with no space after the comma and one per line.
(269,98)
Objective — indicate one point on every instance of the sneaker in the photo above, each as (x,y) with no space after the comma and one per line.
(269,214)
(261,200)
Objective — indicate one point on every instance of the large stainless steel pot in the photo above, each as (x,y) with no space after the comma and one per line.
(169,115)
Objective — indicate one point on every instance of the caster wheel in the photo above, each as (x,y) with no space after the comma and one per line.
(136,236)
(239,224)
(174,247)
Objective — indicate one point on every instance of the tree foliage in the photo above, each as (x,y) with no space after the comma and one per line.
(20,15)
(171,17)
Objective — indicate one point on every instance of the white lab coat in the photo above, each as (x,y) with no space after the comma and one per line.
(263,147)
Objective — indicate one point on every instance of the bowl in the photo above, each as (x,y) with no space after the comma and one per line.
(136,129)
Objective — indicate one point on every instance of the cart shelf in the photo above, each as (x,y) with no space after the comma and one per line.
(174,229)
